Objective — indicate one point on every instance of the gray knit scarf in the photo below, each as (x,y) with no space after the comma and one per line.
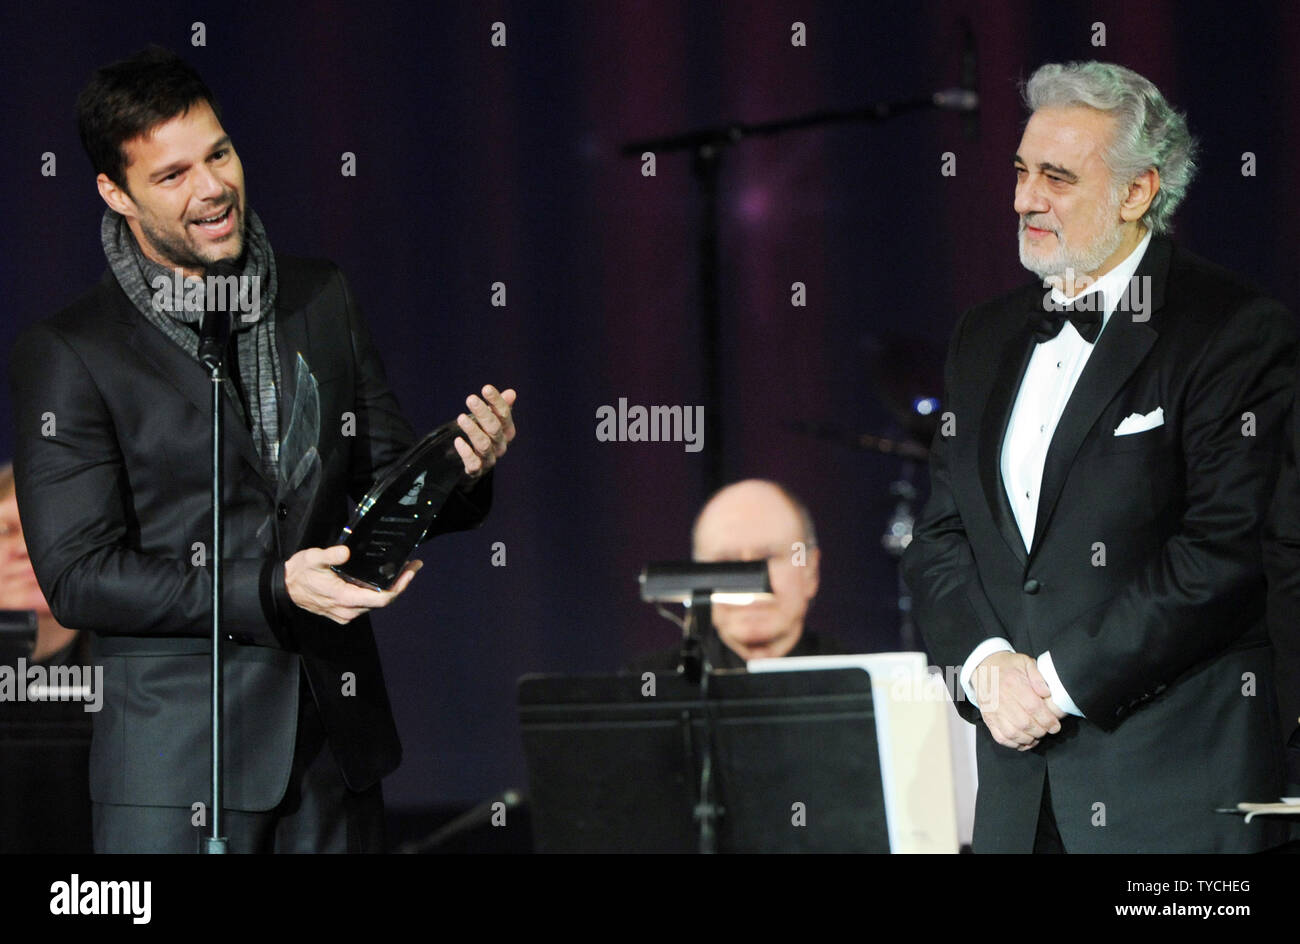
(259,369)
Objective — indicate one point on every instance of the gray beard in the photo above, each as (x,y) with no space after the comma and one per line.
(1081,261)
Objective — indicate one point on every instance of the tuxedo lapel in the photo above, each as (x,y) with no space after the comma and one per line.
(1121,348)
(1012,361)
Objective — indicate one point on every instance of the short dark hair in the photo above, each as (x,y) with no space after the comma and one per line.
(132,97)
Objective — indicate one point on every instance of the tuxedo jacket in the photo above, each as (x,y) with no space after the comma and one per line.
(112,467)
(1144,580)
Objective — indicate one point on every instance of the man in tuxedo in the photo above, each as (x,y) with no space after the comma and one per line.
(112,410)
(1090,553)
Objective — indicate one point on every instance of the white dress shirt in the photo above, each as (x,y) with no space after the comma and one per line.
(1054,368)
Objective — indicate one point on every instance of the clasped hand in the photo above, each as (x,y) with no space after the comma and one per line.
(1015,700)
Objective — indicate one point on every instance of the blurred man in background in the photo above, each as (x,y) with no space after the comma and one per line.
(749,521)
(18,587)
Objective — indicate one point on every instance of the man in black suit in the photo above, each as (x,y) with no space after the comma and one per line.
(1090,552)
(112,411)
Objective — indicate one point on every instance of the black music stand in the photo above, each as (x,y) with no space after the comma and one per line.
(611,769)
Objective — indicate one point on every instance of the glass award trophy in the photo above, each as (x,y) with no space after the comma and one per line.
(400,508)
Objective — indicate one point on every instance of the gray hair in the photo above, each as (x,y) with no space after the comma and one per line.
(1149,132)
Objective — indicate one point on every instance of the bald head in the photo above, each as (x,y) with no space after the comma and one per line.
(761,520)
(756,504)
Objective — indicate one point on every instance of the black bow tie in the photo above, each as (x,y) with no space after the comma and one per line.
(1048,318)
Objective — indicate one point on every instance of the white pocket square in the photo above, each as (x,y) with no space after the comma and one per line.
(1137,423)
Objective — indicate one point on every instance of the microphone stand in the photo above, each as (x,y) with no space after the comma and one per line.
(463,824)
(213,338)
(706,146)
(695,668)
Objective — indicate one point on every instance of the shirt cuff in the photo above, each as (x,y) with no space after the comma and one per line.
(1059,694)
(979,654)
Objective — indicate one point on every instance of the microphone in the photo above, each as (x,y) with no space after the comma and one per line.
(957,99)
(215,330)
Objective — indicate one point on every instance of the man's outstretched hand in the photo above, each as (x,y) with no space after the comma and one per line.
(488,426)
(1015,700)
(317,589)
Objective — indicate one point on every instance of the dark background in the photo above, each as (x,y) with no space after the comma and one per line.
(478,164)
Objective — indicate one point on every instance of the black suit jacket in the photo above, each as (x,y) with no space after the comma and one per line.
(1282,564)
(1164,647)
(112,470)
